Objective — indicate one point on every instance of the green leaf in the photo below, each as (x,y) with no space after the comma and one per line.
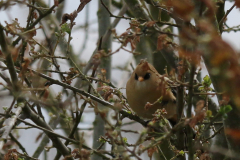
(65,28)
(225,109)
(102,140)
(181,153)
(129,112)
(209,113)
(206,81)
(228,108)
(111,100)
(124,139)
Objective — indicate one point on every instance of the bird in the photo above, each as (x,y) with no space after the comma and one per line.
(147,86)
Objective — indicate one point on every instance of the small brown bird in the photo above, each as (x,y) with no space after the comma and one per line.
(146,86)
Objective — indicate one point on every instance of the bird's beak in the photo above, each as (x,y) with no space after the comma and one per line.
(140,79)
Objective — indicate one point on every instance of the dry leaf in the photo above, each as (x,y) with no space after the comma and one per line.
(200,114)
(82,5)
(83,154)
(205,156)
(234,133)
(12,154)
(161,42)
(182,8)
(56,2)
(150,23)
(150,151)
(237,3)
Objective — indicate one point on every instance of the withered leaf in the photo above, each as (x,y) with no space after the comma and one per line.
(12,154)
(83,154)
(56,2)
(82,5)
(150,151)
(182,8)
(237,3)
(65,18)
(150,23)
(205,156)
(200,114)
(233,133)
(161,42)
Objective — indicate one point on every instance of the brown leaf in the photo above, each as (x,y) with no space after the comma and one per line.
(199,107)
(182,68)
(147,106)
(103,71)
(35,15)
(193,57)
(8,144)
(82,5)
(161,41)
(182,8)
(205,156)
(12,154)
(13,28)
(125,34)
(222,51)
(31,34)
(150,151)
(234,133)
(106,92)
(24,65)
(225,99)
(83,154)
(200,114)
(15,52)
(46,93)
(150,23)
(56,2)
(134,25)
(237,3)
(72,73)
(65,18)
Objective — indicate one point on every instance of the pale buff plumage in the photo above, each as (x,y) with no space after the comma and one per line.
(140,91)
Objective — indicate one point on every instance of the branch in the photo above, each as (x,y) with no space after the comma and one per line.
(103,102)
(47,129)
(37,21)
(225,16)
(10,124)
(9,61)
(217,132)
(18,143)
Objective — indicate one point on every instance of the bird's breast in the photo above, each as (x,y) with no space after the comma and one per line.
(140,93)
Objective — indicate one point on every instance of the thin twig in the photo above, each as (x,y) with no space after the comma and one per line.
(215,133)
(18,143)
(225,16)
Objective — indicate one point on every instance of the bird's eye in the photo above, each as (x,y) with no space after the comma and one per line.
(136,76)
(147,76)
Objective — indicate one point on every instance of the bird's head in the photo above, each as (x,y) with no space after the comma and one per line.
(143,71)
